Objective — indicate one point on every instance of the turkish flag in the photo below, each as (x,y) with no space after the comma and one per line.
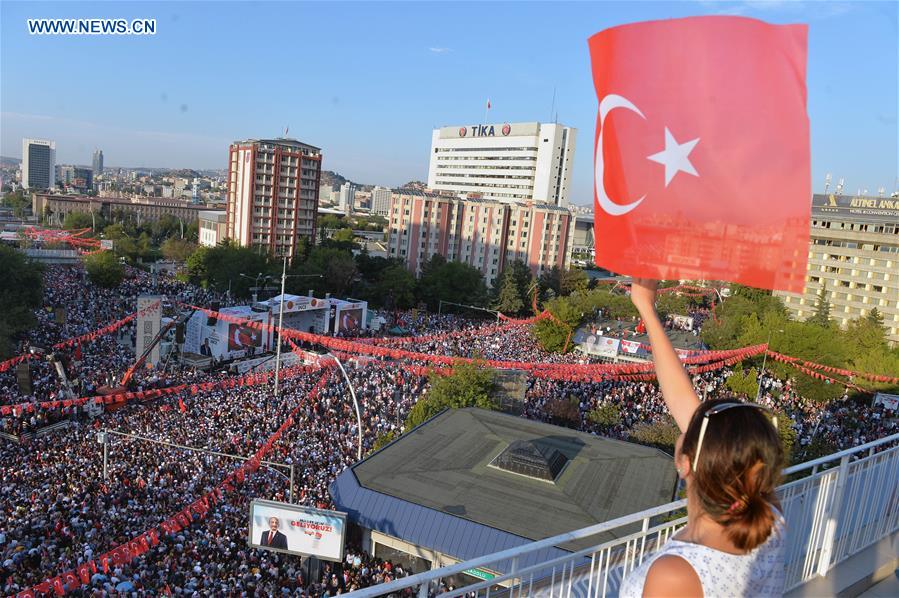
(702,151)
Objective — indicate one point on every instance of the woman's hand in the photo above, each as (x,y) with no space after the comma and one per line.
(643,294)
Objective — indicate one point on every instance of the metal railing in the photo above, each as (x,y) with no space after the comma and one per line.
(845,502)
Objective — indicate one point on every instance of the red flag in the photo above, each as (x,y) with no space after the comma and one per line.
(181,405)
(488,103)
(702,166)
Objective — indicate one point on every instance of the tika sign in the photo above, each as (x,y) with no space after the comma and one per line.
(702,151)
(149,318)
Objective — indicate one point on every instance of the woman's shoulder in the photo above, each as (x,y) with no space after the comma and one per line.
(672,575)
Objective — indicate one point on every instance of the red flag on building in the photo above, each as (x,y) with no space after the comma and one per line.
(702,166)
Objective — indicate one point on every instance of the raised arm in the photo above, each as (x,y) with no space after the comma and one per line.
(673,378)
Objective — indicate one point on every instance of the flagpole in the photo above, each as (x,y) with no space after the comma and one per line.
(486,111)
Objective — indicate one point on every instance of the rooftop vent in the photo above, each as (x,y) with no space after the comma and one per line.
(528,458)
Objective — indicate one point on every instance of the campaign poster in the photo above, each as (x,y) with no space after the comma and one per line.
(294,529)
(241,338)
(149,322)
(349,320)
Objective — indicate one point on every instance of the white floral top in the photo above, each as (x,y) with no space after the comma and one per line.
(759,573)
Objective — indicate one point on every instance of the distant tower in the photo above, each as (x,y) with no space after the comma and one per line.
(98,162)
(38,164)
(840,186)
(827,183)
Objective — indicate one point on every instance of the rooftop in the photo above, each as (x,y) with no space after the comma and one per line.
(445,465)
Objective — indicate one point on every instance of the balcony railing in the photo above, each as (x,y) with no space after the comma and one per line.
(835,507)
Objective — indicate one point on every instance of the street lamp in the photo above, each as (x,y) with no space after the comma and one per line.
(758,393)
(355,402)
(284,277)
(256,280)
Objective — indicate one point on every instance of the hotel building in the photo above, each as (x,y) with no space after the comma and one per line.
(854,256)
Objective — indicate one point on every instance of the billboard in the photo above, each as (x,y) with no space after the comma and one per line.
(890,402)
(295,529)
(683,322)
(149,321)
(349,320)
(241,338)
(603,346)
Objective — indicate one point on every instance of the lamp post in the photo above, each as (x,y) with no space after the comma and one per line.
(284,277)
(355,402)
(758,393)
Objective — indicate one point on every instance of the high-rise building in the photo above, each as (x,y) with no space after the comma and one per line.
(38,164)
(517,162)
(272,197)
(380,201)
(853,259)
(98,162)
(487,235)
(324,194)
(347,199)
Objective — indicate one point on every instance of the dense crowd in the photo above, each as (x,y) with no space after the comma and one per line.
(59,510)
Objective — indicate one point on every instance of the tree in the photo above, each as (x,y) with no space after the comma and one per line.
(821,315)
(553,334)
(104,269)
(178,250)
(605,416)
(509,299)
(18,202)
(572,280)
(451,281)
(396,287)
(76,220)
(744,383)
(469,385)
(21,292)
(220,268)
(787,435)
(343,235)
(660,434)
(564,412)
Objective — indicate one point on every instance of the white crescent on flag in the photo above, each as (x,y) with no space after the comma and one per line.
(609,103)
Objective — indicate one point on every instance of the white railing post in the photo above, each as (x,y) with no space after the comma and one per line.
(830,529)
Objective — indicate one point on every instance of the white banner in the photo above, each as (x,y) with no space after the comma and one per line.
(148,323)
(683,322)
(294,529)
(601,345)
(890,402)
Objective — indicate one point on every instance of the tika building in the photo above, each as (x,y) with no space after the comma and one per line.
(481,233)
(509,162)
(272,195)
(854,257)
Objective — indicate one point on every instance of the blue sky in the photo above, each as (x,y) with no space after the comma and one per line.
(368,81)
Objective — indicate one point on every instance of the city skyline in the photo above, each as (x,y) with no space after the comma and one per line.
(371,100)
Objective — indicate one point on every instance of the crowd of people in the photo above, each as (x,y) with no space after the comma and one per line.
(61,506)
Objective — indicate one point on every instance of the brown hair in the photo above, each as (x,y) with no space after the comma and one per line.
(738,471)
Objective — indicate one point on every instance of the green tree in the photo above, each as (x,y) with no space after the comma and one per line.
(335,267)
(509,300)
(221,267)
(18,202)
(451,281)
(660,434)
(787,435)
(469,385)
(21,292)
(605,416)
(76,220)
(177,249)
(552,334)
(396,288)
(104,269)
(821,315)
(744,383)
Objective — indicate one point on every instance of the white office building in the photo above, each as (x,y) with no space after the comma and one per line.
(380,201)
(347,199)
(507,162)
(38,164)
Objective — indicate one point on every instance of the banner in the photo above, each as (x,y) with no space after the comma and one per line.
(149,309)
(241,338)
(890,402)
(294,529)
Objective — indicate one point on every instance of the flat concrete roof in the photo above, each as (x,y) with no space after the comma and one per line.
(443,465)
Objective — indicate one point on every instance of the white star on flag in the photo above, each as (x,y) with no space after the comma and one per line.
(675,157)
